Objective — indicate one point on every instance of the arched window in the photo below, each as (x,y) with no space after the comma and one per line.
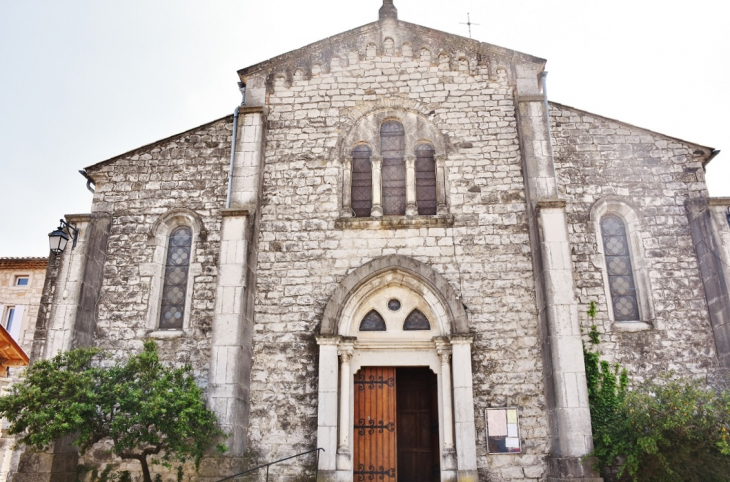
(425,179)
(392,148)
(619,269)
(416,321)
(174,290)
(372,322)
(362,181)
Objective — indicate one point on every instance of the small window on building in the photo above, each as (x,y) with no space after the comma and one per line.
(9,318)
(175,286)
(620,272)
(21,280)
(372,322)
(362,181)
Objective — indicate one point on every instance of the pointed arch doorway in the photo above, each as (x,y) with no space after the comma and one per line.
(390,405)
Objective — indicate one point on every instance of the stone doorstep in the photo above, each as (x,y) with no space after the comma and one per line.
(57,477)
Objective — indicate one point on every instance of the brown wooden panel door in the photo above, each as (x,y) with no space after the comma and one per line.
(375,422)
(418,430)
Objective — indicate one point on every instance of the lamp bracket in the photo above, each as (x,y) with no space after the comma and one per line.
(71,229)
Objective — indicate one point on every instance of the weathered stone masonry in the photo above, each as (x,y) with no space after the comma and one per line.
(510,263)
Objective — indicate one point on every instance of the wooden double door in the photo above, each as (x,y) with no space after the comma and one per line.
(396,432)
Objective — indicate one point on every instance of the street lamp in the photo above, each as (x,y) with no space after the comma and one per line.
(58,239)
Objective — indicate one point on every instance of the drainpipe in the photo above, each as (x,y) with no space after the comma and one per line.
(89,181)
(242,88)
(543,79)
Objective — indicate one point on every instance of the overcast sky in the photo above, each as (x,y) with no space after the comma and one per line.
(85,80)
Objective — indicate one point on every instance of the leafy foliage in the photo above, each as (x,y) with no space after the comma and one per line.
(665,430)
(144,407)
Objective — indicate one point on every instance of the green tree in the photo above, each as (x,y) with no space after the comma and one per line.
(666,430)
(146,408)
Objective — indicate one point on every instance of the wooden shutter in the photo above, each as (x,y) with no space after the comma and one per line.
(375,424)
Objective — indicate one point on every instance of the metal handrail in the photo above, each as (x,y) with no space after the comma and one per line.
(316,473)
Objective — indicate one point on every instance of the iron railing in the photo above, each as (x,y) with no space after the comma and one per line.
(266,466)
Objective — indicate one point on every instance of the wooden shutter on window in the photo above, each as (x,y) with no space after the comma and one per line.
(362,181)
(392,148)
(425,179)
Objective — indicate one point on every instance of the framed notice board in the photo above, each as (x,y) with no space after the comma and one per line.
(503,431)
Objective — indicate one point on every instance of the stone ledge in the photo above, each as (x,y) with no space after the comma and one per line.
(166,334)
(631,326)
(395,222)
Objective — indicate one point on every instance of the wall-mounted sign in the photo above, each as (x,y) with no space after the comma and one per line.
(503,431)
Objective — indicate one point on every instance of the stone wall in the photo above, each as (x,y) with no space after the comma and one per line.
(305,252)
(187,171)
(598,158)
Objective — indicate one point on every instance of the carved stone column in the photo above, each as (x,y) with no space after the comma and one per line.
(346,188)
(442,208)
(449,457)
(464,408)
(377,210)
(327,406)
(411,207)
(344,457)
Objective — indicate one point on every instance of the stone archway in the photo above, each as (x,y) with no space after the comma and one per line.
(345,348)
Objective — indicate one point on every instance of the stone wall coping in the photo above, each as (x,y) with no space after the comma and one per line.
(551,204)
(78,218)
(719,201)
(395,222)
(531,98)
(234,212)
(251,109)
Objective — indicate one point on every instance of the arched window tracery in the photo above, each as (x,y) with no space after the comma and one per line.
(426,179)
(416,321)
(619,269)
(373,321)
(177,267)
(392,149)
(362,181)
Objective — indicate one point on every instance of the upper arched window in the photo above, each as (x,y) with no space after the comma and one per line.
(619,269)
(362,181)
(426,179)
(174,291)
(392,148)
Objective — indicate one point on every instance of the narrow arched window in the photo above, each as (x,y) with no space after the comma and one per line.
(620,273)
(175,285)
(372,322)
(416,321)
(425,179)
(392,148)
(362,181)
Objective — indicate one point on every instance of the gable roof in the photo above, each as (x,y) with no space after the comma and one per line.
(158,142)
(323,50)
(711,152)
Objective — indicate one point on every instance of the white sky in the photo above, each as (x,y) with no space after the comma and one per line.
(84,80)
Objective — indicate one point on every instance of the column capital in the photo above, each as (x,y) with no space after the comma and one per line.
(345,354)
(410,162)
(328,339)
(376,161)
(461,339)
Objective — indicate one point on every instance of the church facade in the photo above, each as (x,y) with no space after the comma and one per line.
(388,252)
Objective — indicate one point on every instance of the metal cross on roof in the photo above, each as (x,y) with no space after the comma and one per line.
(469,23)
